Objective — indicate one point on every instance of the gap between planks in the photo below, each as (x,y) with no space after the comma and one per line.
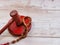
(33,36)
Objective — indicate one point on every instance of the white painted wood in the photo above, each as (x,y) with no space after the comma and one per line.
(45,16)
(43,4)
(44,23)
(34,41)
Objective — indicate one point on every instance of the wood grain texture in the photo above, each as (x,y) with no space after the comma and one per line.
(43,4)
(45,16)
(44,23)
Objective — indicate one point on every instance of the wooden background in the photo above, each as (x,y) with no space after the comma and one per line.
(45,16)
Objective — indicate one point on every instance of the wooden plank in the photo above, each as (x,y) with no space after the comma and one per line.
(44,23)
(43,4)
(34,41)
